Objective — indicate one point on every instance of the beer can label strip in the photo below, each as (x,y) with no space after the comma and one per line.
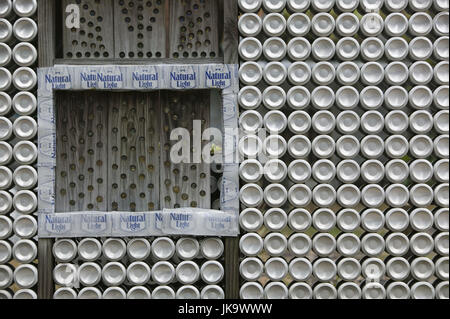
(182,221)
(143,77)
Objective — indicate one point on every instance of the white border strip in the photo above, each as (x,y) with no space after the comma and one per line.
(135,78)
(184,221)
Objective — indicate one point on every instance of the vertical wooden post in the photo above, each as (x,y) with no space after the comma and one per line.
(46,49)
(230,32)
(230,47)
(46,32)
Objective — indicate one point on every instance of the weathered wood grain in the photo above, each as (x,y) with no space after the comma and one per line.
(193,28)
(183,184)
(81,142)
(95,37)
(139,29)
(147,30)
(230,41)
(46,56)
(133,167)
(46,32)
(230,44)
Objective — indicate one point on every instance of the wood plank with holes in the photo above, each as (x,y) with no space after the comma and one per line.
(97,148)
(81,152)
(139,29)
(183,184)
(193,29)
(113,155)
(63,150)
(152,132)
(133,167)
(95,37)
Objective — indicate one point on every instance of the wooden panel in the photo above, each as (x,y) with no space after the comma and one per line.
(185,184)
(81,142)
(133,167)
(139,29)
(95,37)
(46,48)
(230,45)
(136,29)
(194,28)
(46,263)
(153,61)
(46,32)
(230,33)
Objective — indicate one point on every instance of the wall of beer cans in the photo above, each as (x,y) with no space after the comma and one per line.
(139,268)
(18,150)
(345,179)
(344,175)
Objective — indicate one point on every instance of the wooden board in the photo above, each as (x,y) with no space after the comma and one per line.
(82,144)
(184,184)
(230,41)
(46,32)
(136,29)
(133,136)
(95,37)
(46,48)
(108,151)
(230,45)
(139,28)
(193,29)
